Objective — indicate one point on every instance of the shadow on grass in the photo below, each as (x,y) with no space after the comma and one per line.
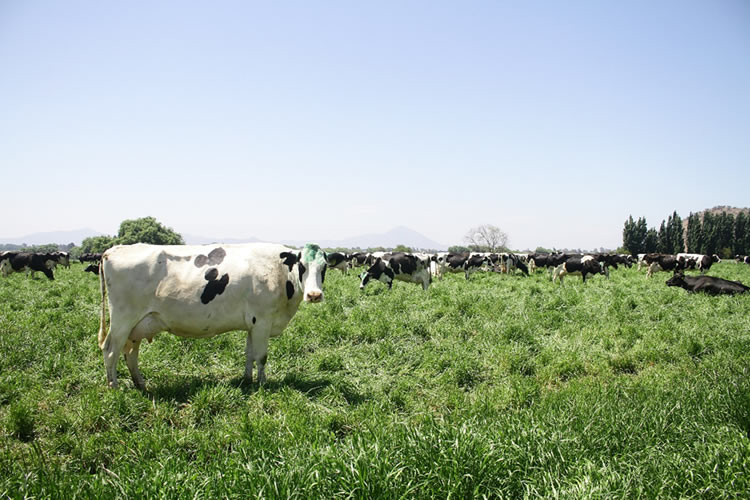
(183,389)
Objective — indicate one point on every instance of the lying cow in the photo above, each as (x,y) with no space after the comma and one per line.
(707,284)
(579,266)
(202,291)
(401,266)
(17,262)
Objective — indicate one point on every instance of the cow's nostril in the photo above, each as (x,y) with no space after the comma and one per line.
(314,297)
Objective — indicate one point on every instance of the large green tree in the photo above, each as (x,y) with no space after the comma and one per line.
(97,244)
(147,230)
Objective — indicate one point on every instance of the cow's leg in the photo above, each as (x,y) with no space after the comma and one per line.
(131,358)
(114,342)
(256,350)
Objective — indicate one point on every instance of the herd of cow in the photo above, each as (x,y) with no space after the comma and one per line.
(202,291)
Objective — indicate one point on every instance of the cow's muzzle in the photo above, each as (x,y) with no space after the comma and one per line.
(314,297)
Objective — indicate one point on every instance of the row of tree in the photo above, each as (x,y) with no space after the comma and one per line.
(143,230)
(708,233)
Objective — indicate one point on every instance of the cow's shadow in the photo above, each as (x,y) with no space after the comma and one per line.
(182,389)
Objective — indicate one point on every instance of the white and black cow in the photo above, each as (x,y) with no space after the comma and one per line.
(338,260)
(665,262)
(707,284)
(401,266)
(743,259)
(359,259)
(466,262)
(511,262)
(17,262)
(579,266)
(94,258)
(202,291)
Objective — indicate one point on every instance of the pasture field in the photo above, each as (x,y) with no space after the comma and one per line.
(498,387)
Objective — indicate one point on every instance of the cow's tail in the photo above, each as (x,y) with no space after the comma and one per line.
(103,314)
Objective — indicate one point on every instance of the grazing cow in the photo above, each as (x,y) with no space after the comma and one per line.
(94,258)
(706,284)
(580,266)
(511,262)
(401,266)
(359,259)
(666,263)
(92,268)
(338,260)
(202,291)
(16,262)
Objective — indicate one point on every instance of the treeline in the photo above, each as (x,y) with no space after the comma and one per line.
(725,234)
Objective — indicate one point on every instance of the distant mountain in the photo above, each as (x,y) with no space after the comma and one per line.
(60,237)
(397,236)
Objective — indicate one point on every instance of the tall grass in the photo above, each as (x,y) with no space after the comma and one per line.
(499,386)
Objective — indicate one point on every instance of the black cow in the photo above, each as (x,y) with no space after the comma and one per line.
(94,258)
(707,284)
(401,266)
(16,262)
(581,266)
(92,268)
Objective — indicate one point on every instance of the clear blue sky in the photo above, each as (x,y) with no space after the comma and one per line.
(324,120)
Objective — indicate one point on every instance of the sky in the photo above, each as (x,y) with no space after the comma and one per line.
(303,120)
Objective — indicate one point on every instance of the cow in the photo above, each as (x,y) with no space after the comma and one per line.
(359,259)
(94,258)
(92,268)
(401,266)
(706,284)
(511,262)
(742,259)
(581,266)
(16,262)
(340,261)
(665,262)
(198,291)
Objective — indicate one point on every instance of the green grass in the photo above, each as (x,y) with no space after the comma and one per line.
(500,386)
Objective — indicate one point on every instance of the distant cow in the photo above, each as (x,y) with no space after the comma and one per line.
(92,268)
(401,266)
(511,262)
(707,284)
(582,267)
(664,262)
(17,262)
(338,260)
(742,259)
(359,259)
(94,258)
(198,291)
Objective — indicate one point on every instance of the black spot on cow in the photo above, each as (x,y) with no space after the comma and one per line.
(214,258)
(323,274)
(253,319)
(289,289)
(301,268)
(290,259)
(214,286)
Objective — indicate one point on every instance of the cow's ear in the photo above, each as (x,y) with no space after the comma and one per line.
(289,259)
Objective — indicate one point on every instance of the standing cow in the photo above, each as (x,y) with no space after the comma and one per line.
(202,291)
(401,266)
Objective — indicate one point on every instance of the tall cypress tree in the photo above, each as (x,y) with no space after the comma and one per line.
(662,239)
(677,239)
(651,244)
(710,234)
(740,230)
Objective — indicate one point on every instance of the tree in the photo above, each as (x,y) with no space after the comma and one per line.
(694,234)
(651,242)
(663,244)
(740,234)
(402,248)
(677,239)
(147,230)
(486,238)
(97,244)
(458,249)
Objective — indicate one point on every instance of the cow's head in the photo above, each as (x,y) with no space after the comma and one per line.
(677,279)
(378,271)
(311,264)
